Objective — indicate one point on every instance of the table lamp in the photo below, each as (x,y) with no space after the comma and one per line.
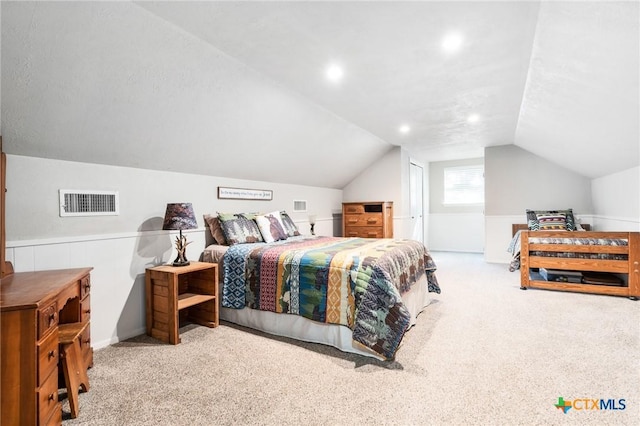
(180,216)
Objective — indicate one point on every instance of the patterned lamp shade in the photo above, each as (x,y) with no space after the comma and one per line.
(179,216)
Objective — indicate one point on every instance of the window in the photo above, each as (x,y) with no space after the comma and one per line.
(464,184)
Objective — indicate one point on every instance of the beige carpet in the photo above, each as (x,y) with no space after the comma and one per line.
(483,353)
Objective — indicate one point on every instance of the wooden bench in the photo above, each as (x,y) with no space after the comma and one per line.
(73,368)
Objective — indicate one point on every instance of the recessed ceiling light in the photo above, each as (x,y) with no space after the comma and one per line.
(452,42)
(473,118)
(335,72)
(404,129)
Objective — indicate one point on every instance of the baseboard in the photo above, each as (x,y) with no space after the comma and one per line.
(117,339)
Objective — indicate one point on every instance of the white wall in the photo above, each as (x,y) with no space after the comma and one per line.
(516,180)
(119,248)
(616,201)
(380,181)
(453,227)
(386,180)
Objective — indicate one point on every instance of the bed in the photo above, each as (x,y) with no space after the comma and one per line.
(586,261)
(358,295)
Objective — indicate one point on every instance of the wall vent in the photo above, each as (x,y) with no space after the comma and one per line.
(89,203)
(299,205)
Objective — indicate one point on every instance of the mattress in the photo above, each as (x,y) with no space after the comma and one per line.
(580,242)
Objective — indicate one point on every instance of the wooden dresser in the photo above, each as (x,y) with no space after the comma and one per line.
(32,304)
(373,219)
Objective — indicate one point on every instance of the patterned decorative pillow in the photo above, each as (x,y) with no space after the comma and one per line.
(551,220)
(289,225)
(238,229)
(216,229)
(271,227)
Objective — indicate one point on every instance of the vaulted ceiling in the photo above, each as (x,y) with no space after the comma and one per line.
(559,79)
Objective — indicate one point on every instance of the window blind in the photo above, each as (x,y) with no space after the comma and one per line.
(464,184)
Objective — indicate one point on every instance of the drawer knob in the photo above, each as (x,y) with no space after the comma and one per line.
(51,397)
(87,311)
(52,317)
(52,354)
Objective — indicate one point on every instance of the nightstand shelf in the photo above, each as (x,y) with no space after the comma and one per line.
(180,294)
(186,300)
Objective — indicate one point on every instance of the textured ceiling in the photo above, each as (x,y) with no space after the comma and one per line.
(396,71)
(559,79)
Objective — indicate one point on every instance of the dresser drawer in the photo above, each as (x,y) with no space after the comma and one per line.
(365,219)
(85,309)
(47,319)
(85,346)
(364,232)
(55,419)
(48,398)
(85,286)
(47,356)
(353,208)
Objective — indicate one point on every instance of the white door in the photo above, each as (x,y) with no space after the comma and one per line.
(416,179)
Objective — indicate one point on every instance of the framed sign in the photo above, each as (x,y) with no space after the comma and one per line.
(244,194)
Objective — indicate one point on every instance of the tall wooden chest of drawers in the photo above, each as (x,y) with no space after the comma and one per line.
(32,304)
(373,219)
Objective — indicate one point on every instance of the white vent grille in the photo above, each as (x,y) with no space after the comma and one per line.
(88,203)
(299,205)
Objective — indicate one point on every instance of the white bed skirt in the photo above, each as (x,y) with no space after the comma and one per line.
(301,328)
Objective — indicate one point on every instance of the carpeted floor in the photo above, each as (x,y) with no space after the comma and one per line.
(483,353)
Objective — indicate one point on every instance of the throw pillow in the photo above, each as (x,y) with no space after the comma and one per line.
(289,225)
(271,227)
(216,229)
(239,230)
(552,220)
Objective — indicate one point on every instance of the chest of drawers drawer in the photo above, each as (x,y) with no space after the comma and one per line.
(85,308)
(85,286)
(47,356)
(48,399)
(47,318)
(364,232)
(364,219)
(85,347)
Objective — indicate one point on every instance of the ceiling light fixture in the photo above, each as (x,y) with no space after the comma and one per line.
(335,73)
(404,129)
(473,118)
(452,42)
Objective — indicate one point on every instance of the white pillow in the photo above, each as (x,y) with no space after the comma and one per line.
(271,227)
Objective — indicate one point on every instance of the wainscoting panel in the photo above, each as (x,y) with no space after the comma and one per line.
(463,232)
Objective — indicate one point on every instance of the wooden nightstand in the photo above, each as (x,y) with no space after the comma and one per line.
(175,294)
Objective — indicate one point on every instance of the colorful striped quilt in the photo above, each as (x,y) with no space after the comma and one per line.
(355,282)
